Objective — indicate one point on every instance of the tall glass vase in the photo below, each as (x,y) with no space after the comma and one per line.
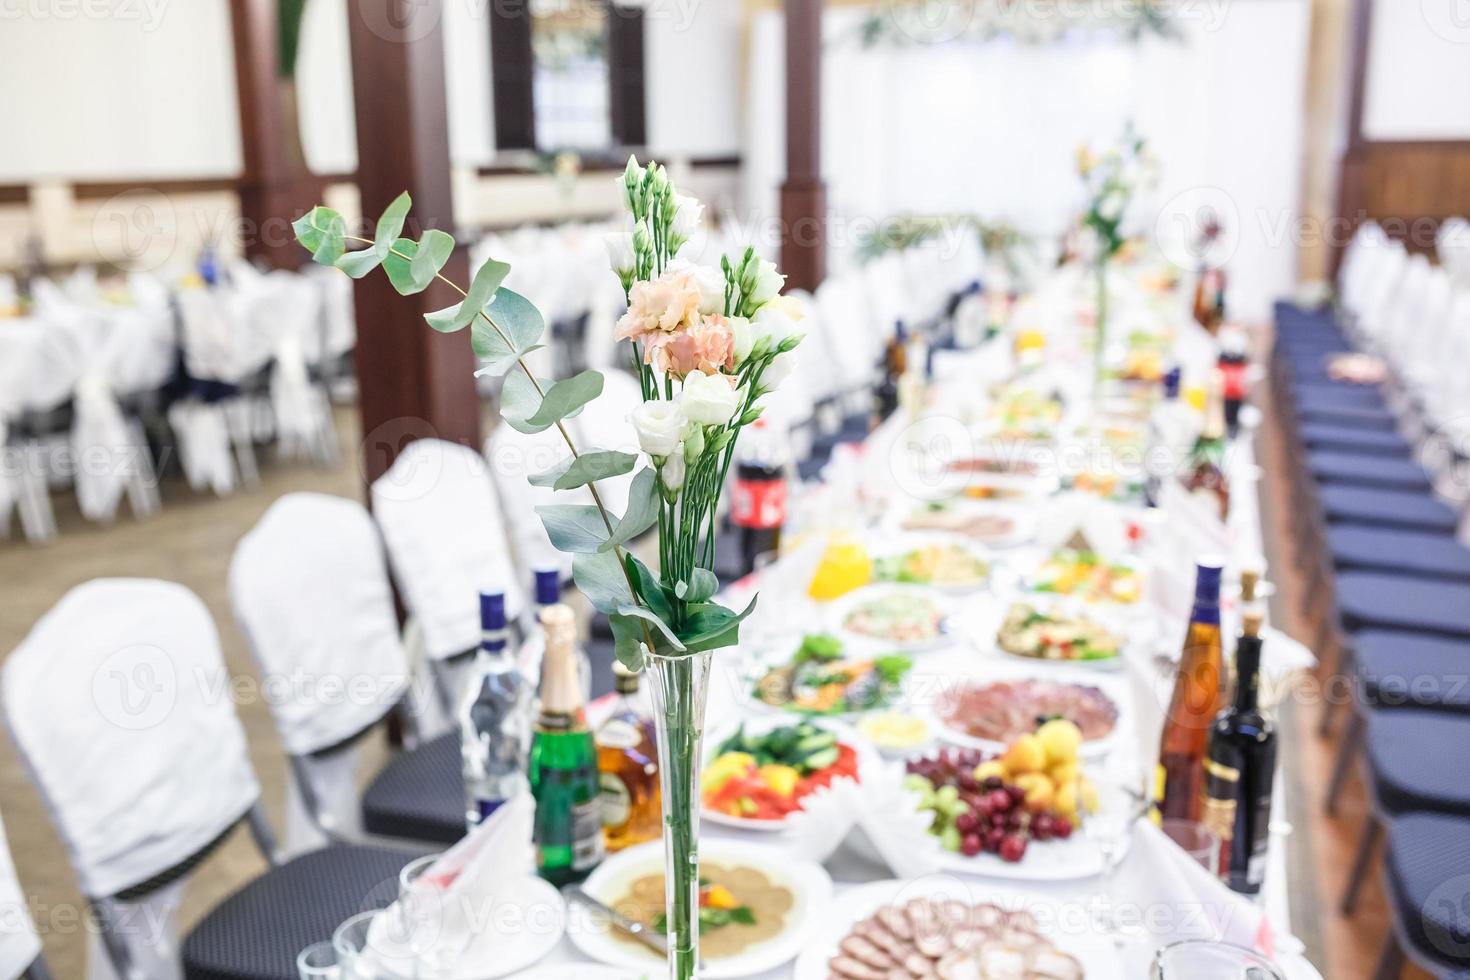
(680,689)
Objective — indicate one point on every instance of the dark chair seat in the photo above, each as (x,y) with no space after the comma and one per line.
(1357,469)
(1406,670)
(1335,396)
(419,795)
(1427,869)
(1353,439)
(1372,601)
(1378,418)
(1386,508)
(1408,774)
(256,933)
(1360,548)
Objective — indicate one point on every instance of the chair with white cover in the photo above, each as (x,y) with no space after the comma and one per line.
(514,458)
(604,424)
(119,703)
(310,592)
(20,947)
(440,515)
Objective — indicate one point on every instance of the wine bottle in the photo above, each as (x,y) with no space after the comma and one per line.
(494,719)
(1205,474)
(563,765)
(627,761)
(1179,779)
(1240,771)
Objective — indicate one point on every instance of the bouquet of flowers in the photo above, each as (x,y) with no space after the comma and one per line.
(706,345)
(1111,179)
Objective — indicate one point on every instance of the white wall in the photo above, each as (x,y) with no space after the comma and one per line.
(1418,84)
(693,78)
(992,127)
(146,91)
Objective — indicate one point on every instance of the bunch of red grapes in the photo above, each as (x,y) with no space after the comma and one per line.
(981,815)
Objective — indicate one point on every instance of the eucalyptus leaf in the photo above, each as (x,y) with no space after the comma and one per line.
(398,267)
(519,400)
(628,640)
(642,510)
(481,291)
(600,464)
(566,398)
(358,264)
(649,589)
(573,528)
(322,232)
(600,577)
(549,476)
(390,224)
(676,644)
(434,250)
(517,327)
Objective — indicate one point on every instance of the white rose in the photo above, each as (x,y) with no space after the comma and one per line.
(778,370)
(672,470)
(660,426)
(621,254)
(1111,206)
(687,212)
(768,282)
(744,335)
(709,399)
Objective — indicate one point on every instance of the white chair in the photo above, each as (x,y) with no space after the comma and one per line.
(854,342)
(514,457)
(604,424)
(441,518)
(120,705)
(310,592)
(20,947)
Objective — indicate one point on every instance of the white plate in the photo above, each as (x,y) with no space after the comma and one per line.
(868,760)
(809,885)
(851,907)
(900,545)
(1013,670)
(581,971)
(526,922)
(778,652)
(839,610)
(1109,619)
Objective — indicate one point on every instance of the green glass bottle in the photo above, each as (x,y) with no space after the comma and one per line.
(563,774)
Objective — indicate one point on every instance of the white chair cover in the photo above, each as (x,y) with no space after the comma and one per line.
(118,701)
(441,518)
(515,457)
(19,944)
(309,588)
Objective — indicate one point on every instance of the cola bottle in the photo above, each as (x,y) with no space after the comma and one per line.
(758,500)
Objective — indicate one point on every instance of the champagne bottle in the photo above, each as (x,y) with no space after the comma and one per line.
(1179,781)
(494,719)
(563,764)
(627,760)
(1241,770)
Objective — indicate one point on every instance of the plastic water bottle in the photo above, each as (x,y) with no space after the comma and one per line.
(495,719)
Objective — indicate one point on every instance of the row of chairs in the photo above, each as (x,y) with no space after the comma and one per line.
(1376,534)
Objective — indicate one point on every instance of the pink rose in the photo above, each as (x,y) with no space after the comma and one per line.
(708,346)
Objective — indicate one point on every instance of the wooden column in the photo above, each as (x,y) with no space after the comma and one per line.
(803,195)
(275,187)
(413,382)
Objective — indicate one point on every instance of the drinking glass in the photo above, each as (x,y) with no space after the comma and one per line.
(1120,803)
(1201,959)
(1195,839)
(319,962)
(421,908)
(350,942)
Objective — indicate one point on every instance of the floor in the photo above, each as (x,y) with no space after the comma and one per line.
(191,542)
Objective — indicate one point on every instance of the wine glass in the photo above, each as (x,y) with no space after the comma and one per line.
(319,961)
(1202,959)
(1120,804)
(349,943)
(421,907)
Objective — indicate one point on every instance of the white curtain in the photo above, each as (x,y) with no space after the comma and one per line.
(992,127)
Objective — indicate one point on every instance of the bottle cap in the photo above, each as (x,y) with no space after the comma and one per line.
(1253,621)
(561,688)
(1207,579)
(625,681)
(492,609)
(1249,579)
(1172,380)
(548,585)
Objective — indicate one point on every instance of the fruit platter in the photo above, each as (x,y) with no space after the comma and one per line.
(1052,632)
(1013,815)
(822,678)
(1087,575)
(992,714)
(901,617)
(944,564)
(757,776)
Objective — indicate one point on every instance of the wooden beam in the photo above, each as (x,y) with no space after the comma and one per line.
(413,382)
(803,195)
